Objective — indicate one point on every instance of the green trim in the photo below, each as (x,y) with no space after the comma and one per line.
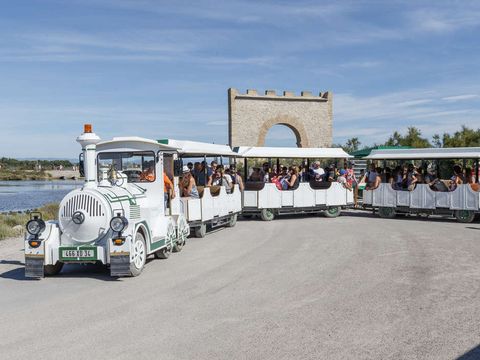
(163,141)
(157,244)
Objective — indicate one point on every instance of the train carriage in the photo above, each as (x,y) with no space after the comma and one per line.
(461,203)
(118,217)
(215,207)
(266,200)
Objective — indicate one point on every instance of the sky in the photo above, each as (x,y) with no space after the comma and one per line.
(162,68)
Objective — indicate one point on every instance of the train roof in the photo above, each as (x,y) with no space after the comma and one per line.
(132,143)
(287,152)
(196,148)
(425,153)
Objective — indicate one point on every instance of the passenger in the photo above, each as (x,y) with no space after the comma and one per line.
(316,172)
(266,173)
(236,178)
(433,181)
(329,173)
(256,175)
(220,178)
(469,179)
(412,178)
(342,179)
(294,179)
(204,175)
(371,177)
(420,177)
(188,188)
(213,166)
(457,178)
(149,173)
(168,192)
(386,175)
(351,180)
(397,178)
(190,166)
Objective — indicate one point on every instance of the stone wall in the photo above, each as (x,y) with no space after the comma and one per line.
(251,116)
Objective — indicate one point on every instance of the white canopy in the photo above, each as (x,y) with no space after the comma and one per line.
(426,153)
(195,148)
(132,143)
(286,152)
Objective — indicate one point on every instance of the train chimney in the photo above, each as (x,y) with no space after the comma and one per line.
(89,140)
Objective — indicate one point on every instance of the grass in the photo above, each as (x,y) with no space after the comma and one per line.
(7,175)
(13,224)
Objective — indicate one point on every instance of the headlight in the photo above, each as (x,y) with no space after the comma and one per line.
(35,226)
(118,223)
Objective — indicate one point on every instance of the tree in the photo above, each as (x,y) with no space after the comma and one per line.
(466,137)
(413,138)
(351,145)
(436,141)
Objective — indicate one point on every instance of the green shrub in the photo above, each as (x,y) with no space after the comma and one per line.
(9,220)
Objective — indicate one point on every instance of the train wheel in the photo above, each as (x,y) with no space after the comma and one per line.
(333,211)
(163,253)
(51,270)
(387,212)
(464,216)
(139,255)
(201,231)
(178,246)
(267,215)
(232,221)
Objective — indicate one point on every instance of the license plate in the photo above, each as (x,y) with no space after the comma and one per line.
(76,254)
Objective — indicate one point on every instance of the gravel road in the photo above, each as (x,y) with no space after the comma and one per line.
(354,287)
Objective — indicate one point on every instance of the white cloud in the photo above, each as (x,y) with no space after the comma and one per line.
(461,97)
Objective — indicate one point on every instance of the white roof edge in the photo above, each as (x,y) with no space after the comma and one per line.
(197,148)
(125,139)
(425,153)
(287,152)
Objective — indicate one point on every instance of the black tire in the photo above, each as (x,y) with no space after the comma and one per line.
(140,255)
(178,246)
(332,211)
(201,231)
(387,212)
(465,216)
(267,215)
(51,270)
(233,221)
(163,253)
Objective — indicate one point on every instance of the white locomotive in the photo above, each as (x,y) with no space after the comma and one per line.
(119,216)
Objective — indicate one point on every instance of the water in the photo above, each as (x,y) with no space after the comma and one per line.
(25,195)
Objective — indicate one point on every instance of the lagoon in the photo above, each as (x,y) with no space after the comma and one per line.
(25,195)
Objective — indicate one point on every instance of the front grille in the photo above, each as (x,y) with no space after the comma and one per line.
(85,202)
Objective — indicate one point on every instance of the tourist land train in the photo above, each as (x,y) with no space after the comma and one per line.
(119,216)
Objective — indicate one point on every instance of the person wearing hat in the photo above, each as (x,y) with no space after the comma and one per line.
(188,187)
(342,179)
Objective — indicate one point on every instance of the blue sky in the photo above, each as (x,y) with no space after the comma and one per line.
(162,68)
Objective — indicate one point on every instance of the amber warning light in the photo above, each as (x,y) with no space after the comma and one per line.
(87,128)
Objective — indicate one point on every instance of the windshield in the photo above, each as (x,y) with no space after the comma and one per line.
(137,166)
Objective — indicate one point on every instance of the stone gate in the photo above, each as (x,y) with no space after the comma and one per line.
(251,116)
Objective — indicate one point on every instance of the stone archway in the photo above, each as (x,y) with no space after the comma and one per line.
(292,123)
(251,115)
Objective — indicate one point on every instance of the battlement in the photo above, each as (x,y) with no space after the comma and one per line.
(252,114)
(287,95)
